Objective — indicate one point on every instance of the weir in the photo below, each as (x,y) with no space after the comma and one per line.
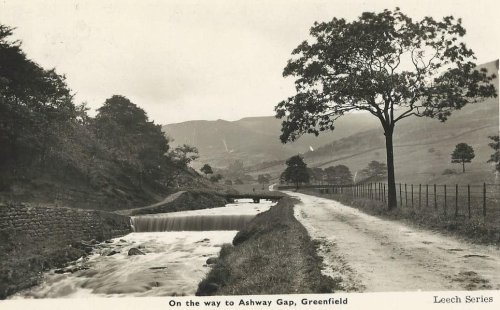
(166,222)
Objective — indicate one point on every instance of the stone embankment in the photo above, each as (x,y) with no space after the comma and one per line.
(37,238)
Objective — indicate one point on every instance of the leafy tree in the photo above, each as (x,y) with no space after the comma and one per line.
(206,169)
(296,171)
(495,157)
(375,170)
(463,153)
(235,170)
(36,107)
(179,160)
(117,152)
(317,174)
(263,179)
(339,175)
(385,64)
(216,178)
(134,141)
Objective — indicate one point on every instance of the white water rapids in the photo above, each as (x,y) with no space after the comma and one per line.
(174,264)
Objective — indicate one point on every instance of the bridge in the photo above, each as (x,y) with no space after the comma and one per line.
(255,197)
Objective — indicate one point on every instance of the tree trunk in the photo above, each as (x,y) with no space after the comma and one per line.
(391,182)
(463,166)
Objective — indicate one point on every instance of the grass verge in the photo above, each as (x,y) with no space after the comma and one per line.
(272,255)
(474,230)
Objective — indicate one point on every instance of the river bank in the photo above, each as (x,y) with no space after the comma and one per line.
(273,254)
(35,238)
(168,254)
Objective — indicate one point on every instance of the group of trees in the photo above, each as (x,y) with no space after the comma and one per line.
(386,64)
(207,169)
(339,174)
(42,131)
(297,172)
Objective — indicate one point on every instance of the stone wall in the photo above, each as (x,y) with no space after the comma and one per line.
(34,238)
(61,226)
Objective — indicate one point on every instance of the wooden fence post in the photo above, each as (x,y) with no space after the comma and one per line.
(468,199)
(419,196)
(435,197)
(445,206)
(412,206)
(426,196)
(406,196)
(484,200)
(383,197)
(456,200)
(400,196)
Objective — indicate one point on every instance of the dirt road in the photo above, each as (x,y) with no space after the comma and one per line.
(375,255)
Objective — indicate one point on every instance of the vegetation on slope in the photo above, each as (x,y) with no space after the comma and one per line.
(272,255)
(52,151)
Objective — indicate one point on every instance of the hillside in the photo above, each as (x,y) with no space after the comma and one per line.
(254,140)
(422,145)
(53,152)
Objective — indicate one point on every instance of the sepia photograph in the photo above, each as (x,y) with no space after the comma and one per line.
(274,153)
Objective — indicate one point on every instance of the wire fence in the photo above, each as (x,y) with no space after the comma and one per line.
(459,201)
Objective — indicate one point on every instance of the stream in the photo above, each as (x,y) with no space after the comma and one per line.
(176,247)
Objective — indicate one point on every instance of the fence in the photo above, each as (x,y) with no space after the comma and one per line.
(459,201)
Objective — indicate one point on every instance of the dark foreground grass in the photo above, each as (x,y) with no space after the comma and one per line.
(474,230)
(272,255)
(22,264)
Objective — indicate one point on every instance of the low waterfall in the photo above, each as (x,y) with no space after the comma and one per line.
(165,222)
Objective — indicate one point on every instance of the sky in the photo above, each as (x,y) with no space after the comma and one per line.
(186,60)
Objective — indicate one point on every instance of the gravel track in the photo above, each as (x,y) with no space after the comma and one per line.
(376,255)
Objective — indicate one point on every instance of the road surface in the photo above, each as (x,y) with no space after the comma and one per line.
(376,255)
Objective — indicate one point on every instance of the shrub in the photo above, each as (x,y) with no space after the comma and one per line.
(449,171)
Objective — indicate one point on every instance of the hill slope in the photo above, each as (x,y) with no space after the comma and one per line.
(422,145)
(254,140)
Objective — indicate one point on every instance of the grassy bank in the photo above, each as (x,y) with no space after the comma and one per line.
(181,201)
(272,255)
(474,230)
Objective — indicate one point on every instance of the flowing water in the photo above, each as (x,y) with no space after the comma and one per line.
(174,261)
(231,217)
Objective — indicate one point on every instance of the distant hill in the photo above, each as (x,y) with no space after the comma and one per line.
(422,145)
(254,140)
